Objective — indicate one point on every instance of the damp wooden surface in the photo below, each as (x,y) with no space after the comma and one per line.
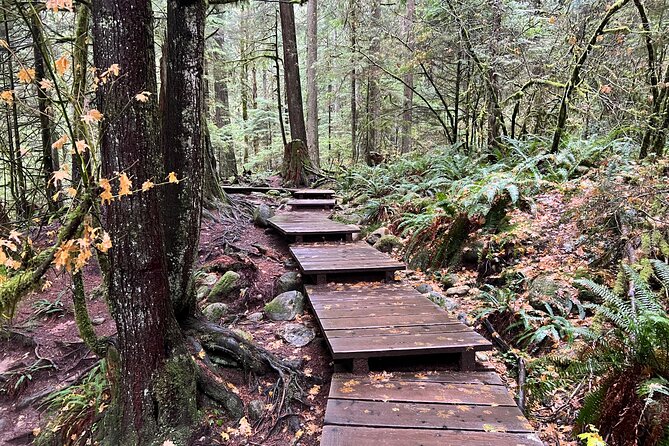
(297,224)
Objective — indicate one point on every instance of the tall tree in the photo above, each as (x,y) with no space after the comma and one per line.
(407,107)
(312,85)
(292,72)
(353,31)
(154,380)
(373,102)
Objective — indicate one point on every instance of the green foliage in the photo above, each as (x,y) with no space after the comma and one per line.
(75,409)
(45,307)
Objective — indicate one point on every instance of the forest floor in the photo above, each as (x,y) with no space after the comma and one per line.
(51,355)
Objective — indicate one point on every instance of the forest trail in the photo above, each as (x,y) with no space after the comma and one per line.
(387,320)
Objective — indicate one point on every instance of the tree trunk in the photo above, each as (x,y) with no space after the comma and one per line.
(292,72)
(183,146)
(153,375)
(407,112)
(80,162)
(295,164)
(312,86)
(46,124)
(373,91)
(354,80)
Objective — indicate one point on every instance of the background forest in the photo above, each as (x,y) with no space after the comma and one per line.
(513,153)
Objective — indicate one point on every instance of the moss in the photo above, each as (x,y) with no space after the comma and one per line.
(228,283)
(273,307)
(387,243)
(175,392)
(12,290)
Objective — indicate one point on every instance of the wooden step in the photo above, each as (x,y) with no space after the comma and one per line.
(313,193)
(357,324)
(311,203)
(340,258)
(435,408)
(299,225)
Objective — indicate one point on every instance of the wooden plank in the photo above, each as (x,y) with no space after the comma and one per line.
(363,436)
(443,376)
(418,391)
(295,224)
(313,193)
(378,322)
(250,189)
(400,345)
(311,202)
(426,416)
(342,258)
(447,327)
(413,310)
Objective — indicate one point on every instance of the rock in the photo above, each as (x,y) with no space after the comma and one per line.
(543,289)
(462,317)
(214,312)
(285,306)
(243,334)
(225,287)
(255,317)
(290,263)
(291,281)
(449,280)
(261,214)
(423,288)
(458,290)
(208,279)
(273,193)
(98,320)
(256,409)
(387,243)
(202,292)
(296,335)
(481,357)
(442,301)
(376,235)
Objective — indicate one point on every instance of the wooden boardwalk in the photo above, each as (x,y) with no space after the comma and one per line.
(338,258)
(436,408)
(311,203)
(299,225)
(361,321)
(389,320)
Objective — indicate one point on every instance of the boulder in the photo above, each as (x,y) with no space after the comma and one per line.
(208,279)
(255,317)
(261,214)
(442,301)
(296,335)
(98,320)
(256,409)
(423,288)
(226,286)
(458,290)
(291,281)
(449,280)
(376,235)
(543,289)
(285,306)
(202,292)
(387,243)
(214,312)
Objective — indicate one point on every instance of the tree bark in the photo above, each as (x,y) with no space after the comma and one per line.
(354,81)
(373,91)
(292,73)
(183,146)
(407,107)
(153,377)
(312,86)
(80,162)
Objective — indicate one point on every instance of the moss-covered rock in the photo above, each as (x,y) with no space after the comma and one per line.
(285,307)
(226,287)
(291,281)
(388,243)
(214,312)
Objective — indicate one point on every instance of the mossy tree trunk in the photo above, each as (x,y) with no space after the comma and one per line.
(296,164)
(153,374)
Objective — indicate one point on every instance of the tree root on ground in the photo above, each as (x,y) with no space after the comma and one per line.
(217,341)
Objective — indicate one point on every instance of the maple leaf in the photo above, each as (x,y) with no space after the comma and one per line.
(114,69)
(106,194)
(62,256)
(105,244)
(61,174)
(92,116)
(15,235)
(62,64)
(72,192)
(172,178)
(81,146)
(45,84)
(56,5)
(124,185)
(26,75)
(60,142)
(7,96)
(605,89)
(147,185)
(143,96)
(245,427)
